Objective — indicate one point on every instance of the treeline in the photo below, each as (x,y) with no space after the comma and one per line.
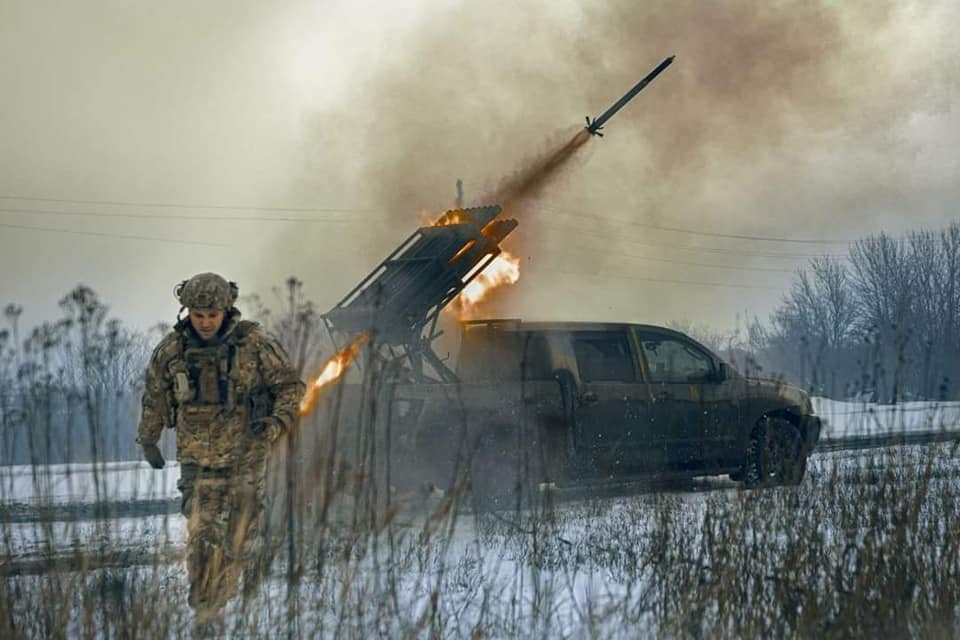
(70,388)
(880,323)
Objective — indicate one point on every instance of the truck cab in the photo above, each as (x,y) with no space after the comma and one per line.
(606,400)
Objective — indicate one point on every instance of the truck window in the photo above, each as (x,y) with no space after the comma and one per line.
(604,357)
(492,355)
(672,360)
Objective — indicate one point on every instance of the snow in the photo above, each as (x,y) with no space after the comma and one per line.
(44,538)
(87,483)
(846,419)
(579,576)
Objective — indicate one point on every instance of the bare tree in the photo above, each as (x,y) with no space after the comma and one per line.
(814,324)
(884,281)
(891,313)
(836,312)
(298,325)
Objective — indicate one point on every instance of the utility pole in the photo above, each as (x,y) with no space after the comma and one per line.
(459,193)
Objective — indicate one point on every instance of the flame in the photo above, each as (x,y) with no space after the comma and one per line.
(502,271)
(332,371)
(454,216)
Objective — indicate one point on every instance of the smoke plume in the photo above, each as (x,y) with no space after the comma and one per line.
(778,119)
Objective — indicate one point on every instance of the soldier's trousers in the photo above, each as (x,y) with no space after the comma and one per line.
(224,510)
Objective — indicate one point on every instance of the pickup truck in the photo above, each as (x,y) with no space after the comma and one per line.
(561,403)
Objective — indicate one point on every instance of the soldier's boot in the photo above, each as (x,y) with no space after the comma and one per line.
(257,568)
(209,628)
(208,568)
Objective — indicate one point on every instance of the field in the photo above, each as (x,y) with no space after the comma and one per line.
(869,544)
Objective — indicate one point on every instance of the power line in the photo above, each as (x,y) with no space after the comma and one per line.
(709,234)
(698,264)
(156,216)
(112,235)
(699,283)
(174,205)
(153,216)
(718,250)
(150,216)
(546,209)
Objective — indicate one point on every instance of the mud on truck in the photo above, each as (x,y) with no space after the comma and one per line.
(539,404)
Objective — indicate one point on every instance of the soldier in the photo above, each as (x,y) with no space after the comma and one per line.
(228,388)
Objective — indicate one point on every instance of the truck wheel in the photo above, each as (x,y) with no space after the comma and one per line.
(775,454)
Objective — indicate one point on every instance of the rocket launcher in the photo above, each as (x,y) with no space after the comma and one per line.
(399,303)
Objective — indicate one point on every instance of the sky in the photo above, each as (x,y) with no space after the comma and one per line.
(141,143)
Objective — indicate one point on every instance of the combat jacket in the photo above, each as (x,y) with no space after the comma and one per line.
(211,392)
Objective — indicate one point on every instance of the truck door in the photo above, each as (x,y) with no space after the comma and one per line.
(613,408)
(676,371)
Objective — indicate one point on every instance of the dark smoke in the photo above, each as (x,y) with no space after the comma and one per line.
(476,89)
(528,181)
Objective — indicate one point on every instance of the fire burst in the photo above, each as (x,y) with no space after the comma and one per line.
(452,217)
(502,271)
(332,371)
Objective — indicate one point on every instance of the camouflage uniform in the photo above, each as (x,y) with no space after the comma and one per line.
(215,393)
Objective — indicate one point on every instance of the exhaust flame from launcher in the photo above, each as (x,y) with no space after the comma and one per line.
(332,371)
(503,271)
(521,187)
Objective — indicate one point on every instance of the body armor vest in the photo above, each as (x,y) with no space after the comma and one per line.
(217,393)
(208,375)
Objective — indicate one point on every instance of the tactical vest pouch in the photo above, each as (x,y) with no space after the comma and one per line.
(261,404)
(182,391)
(209,369)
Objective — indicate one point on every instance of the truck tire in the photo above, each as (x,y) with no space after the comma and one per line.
(775,454)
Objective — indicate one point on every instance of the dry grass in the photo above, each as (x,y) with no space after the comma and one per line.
(868,545)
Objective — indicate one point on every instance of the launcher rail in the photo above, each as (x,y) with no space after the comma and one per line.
(398,304)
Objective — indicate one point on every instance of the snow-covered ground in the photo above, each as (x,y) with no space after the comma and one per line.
(584,572)
(45,537)
(847,419)
(87,483)
(135,480)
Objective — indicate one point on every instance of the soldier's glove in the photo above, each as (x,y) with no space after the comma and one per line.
(151,453)
(268,428)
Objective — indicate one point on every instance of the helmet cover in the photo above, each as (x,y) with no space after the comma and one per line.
(207,291)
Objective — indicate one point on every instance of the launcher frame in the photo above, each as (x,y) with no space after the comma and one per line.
(398,304)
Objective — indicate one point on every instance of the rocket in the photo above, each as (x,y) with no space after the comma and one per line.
(597,124)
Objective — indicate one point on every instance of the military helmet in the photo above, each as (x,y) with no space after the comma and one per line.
(207,291)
